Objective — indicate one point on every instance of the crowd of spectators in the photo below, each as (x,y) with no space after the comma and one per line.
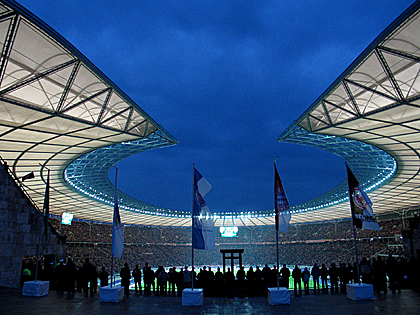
(329,243)
(168,246)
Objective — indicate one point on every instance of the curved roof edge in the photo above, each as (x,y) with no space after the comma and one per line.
(88,174)
(369,115)
(21,10)
(396,24)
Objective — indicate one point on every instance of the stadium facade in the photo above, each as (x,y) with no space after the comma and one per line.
(59,112)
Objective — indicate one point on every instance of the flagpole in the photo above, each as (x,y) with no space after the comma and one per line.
(192,232)
(277,246)
(277,234)
(357,257)
(354,227)
(115,194)
(39,249)
(43,222)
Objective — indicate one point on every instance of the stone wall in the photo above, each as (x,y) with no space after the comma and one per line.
(20,224)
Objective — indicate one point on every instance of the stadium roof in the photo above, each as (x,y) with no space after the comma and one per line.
(370,117)
(59,112)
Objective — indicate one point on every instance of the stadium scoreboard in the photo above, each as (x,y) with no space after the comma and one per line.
(228,231)
(66,218)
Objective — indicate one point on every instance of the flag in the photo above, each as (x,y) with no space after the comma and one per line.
(203,222)
(117,231)
(28,176)
(46,208)
(281,204)
(360,204)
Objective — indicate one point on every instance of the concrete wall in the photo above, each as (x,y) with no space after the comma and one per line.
(20,224)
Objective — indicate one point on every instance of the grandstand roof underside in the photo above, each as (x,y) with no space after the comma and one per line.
(373,106)
(59,112)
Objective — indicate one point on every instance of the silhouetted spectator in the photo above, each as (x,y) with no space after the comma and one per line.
(297,276)
(125,275)
(137,279)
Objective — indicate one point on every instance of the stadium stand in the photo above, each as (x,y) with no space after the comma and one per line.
(304,244)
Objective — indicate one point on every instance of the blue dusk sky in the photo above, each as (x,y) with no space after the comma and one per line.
(225,78)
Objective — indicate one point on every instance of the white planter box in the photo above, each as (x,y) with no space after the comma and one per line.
(36,288)
(111,294)
(360,292)
(278,296)
(192,297)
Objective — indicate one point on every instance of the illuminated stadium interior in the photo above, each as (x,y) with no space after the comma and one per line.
(59,112)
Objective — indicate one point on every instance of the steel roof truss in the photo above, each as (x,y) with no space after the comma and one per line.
(7,47)
(353,101)
(115,115)
(370,89)
(36,77)
(68,85)
(86,99)
(107,98)
(388,72)
(130,114)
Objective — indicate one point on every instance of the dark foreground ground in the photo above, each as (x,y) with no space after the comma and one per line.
(12,302)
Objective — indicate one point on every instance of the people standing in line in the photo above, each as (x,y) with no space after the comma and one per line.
(158,282)
(187,278)
(163,280)
(315,277)
(240,277)
(219,284)
(259,281)
(71,277)
(380,275)
(392,271)
(297,276)
(180,282)
(103,277)
(274,274)
(136,273)
(152,280)
(265,273)
(80,286)
(305,278)
(365,271)
(285,275)
(60,276)
(147,280)
(88,275)
(250,275)
(229,279)
(333,273)
(323,273)
(344,278)
(125,275)
(210,280)
(172,275)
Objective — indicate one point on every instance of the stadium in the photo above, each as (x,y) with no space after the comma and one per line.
(63,119)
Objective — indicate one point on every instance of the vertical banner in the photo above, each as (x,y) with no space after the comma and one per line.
(281,204)
(203,222)
(360,204)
